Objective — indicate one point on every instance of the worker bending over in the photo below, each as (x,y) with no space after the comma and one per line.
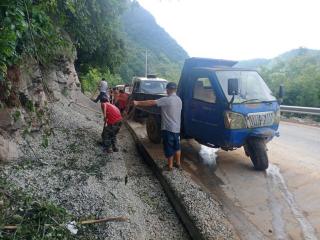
(170,122)
(112,125)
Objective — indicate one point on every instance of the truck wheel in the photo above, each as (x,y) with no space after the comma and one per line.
(257,150)
(136,117)
(130,109)
(154,129)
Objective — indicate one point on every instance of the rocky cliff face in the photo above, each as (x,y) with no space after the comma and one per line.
(34,87)
(58,80)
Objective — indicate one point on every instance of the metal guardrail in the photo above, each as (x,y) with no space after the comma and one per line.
(301,110)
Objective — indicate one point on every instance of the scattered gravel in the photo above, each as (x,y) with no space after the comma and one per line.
(205,212)
(74,173)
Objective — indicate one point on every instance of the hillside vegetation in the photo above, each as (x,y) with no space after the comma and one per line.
(298,70)
(46,30)
(110,39)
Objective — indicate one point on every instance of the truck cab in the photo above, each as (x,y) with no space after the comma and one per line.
(228,118)
(144,88)
(149,85)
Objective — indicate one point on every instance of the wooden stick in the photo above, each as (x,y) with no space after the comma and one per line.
(12,227)
(92,221)
(109,219)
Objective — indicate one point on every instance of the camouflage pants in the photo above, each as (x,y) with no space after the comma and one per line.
(109,135)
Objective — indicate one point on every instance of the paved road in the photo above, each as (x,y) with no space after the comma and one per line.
(281,203)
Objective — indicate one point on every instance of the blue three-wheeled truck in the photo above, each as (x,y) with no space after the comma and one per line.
(223,107)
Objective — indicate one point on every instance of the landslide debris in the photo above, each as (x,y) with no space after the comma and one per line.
(70,178)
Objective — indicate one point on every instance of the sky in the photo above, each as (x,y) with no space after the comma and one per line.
(239,29)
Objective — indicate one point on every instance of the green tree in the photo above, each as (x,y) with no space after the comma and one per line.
(42,30)
(300,75)
(90,81)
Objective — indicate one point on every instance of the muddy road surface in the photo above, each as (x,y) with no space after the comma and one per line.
(281,203)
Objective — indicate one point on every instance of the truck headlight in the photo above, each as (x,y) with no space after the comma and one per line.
(234,120)
(277,117)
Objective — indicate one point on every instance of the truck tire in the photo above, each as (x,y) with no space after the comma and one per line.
(154,128)
(130,109)
(257,151)
(136,117)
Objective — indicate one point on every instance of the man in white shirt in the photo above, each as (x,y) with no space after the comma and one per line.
(103,95)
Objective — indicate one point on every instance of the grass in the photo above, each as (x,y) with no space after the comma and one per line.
(30,215)
(28,163)
(16,115)
(45,141)
(65,92)
(37,218)
(30,106)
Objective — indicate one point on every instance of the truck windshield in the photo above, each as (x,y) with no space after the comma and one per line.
(252,88)
(153,87)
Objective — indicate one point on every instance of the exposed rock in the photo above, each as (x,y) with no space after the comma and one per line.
(59,79)
(35,86)
(8,149)
(12,119)
(30,83)
(5,119)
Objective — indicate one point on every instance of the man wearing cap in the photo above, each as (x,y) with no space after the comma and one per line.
(170,122)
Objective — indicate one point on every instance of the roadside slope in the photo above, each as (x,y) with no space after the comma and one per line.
(73,172)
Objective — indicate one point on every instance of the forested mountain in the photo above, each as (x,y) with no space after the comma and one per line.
(287,56)
(165,56)
(139,33)
(298,70)
(253,63)
(110,39)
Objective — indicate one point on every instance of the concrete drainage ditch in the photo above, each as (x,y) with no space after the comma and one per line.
(199,212)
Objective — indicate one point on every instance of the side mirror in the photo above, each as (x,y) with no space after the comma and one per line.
(281,93)
(233,86)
